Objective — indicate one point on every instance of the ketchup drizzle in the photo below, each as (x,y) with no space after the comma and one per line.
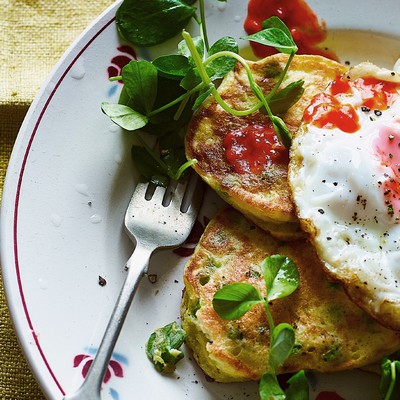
(253,148)
(327,111)
(302,22)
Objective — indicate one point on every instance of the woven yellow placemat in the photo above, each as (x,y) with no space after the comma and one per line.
(33,36)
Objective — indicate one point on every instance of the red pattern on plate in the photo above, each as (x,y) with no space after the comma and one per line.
(126,54)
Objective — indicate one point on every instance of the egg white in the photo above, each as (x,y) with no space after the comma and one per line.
(336,180)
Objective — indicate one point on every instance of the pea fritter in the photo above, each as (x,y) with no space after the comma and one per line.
(263,195)
(332,333)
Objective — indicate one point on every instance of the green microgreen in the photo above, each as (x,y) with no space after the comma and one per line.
(281,101)
(174,66)
(159,97)
(163,345)
(281,276)
(124,116)
(140,83)
(232,301)
(275,34)
(297,386)
(218,67)
(147,23)
(390,383)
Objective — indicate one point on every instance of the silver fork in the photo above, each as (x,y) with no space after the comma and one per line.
(162,219)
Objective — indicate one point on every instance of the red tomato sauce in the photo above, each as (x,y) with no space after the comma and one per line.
(375,93)
(302,22)
(327,111)
(253,148)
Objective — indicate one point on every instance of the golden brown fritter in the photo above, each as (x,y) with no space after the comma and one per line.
(331,332)
(263,197)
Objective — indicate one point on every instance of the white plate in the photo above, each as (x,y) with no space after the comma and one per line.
(69,180)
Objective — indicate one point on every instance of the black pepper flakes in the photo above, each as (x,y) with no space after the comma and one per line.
(152,278)
(362,201)
(102,281)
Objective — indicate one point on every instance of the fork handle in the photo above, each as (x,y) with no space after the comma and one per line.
(137,266)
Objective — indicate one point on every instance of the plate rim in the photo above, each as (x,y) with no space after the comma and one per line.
(10,270)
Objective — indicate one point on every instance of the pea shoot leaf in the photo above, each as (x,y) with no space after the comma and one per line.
(275,34)
(281,276)
(234,300)
(140,82)
(269,388)
(204,94)
(219,67)
(191,80)
(281,101)
(282,131)
(146,23)
(149,167)
(124,97)
(124,116)
(174,66)
(273,37)
(164,122)
(168,162)
(298,388)
(282,344)
(172,152)
(276,22)
(184,50)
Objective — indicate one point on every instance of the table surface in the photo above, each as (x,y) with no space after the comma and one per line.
(33,36)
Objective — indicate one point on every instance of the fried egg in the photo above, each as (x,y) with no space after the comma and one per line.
(344,173)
